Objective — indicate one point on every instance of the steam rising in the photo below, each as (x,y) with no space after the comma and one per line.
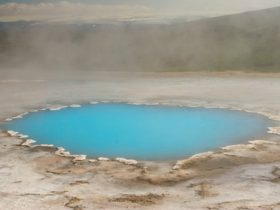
(248,41)
(92,10)
(68,11)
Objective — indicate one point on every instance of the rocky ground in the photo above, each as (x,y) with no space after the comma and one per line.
(243,176)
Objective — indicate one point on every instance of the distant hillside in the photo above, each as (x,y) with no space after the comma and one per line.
(247,41)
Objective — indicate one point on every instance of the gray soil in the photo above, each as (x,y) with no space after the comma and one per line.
(244,176)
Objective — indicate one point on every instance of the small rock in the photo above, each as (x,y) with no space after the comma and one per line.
(75,106)
(79,158)
(103,159)
(127,161)
(28,142)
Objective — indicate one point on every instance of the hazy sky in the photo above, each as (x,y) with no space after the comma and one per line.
(87,10)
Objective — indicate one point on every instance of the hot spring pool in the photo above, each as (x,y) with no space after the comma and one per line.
(140,132)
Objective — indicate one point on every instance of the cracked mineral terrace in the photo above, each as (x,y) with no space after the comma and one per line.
(242,176)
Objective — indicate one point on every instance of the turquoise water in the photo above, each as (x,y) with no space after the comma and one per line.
(140,132)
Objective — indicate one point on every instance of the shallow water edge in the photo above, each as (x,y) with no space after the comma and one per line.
(60,151)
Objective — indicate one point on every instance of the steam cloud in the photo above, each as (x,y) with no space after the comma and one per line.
(68,11)
(247,41)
